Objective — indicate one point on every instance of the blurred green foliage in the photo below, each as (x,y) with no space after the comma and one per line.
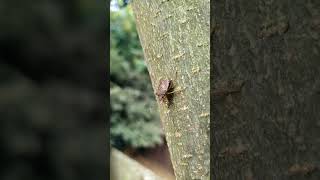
(52,90)
(134,117)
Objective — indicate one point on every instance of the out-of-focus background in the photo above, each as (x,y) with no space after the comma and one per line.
(135,124)
(53,100)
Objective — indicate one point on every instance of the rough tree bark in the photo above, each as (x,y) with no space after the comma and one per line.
(269,127)
(175,39)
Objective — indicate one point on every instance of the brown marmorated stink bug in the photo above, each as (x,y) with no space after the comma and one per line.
(165,91)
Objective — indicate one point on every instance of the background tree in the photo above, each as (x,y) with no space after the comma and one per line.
(175,39)
(134,121)
(270,128)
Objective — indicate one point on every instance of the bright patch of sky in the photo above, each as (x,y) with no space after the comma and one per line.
(114,5)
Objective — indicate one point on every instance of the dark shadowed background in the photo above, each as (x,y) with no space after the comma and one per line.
(53,71)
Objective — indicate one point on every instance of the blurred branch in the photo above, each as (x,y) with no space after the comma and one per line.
(124,168)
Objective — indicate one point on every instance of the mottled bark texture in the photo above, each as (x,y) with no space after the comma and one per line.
(175,39)
(267,52)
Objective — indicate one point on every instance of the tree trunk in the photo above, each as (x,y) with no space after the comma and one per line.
(175,39)
(266,90)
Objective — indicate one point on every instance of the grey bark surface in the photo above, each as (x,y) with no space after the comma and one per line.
(269,126)
(175,39)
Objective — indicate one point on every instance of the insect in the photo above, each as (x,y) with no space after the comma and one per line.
(165,91)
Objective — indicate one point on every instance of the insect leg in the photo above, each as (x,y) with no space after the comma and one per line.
(176,91)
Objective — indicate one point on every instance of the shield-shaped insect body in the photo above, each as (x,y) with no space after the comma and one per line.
(163,89)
